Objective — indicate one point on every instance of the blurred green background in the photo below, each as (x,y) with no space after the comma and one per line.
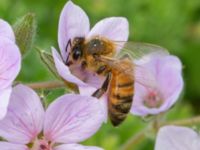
(174,24)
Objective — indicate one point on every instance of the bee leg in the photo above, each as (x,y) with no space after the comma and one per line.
(98,93)
(101,69)
(69,44)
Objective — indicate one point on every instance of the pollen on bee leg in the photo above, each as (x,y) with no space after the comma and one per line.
(153,100)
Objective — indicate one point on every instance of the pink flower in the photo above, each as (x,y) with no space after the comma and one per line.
(75,23)
(10,64)
(177,138)
(166,72)
(68,120)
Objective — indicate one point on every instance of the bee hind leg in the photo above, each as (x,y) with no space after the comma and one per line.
(99,92)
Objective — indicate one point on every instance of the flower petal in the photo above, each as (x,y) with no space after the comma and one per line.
(177,138)
(11,146)
(64,71)
(10,62)
(6,30)
(93,80)
(167,70)
(24,119)
(4,100)
(73,23)
(170,79)
(73,118)
(113,28)
(76,147)
(88,91)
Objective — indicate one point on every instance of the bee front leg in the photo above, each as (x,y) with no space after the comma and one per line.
(69,44)
(101,69)
(98,93)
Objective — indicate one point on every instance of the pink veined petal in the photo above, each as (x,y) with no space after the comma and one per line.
(10,62)
(177,138)
(76,147)
(73,118)
(6,30)
(88,91)
(141,110)
(88,77)
(138,108)
(24,119)
(11,146)
(104,102)
(64,71)
(93,79)
(169,83)
(113,28)
(4,100)
(73,22)
(170,79)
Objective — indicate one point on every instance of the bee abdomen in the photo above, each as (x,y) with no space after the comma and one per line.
(124,85)
(123,99)
(119,108)
(120,98)
(117,118)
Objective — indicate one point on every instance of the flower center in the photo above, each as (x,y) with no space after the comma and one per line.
(40,144)
(153,100)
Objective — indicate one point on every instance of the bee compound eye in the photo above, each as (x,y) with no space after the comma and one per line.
(77,53)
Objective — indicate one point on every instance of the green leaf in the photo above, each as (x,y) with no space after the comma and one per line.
(47,59)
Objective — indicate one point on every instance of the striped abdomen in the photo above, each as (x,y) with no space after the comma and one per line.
(120,95)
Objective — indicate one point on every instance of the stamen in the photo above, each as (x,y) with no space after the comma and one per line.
(40,144)
(153,100)
(43,147)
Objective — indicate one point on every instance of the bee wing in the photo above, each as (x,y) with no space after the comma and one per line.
(139,52)
(138,72)
(145,77)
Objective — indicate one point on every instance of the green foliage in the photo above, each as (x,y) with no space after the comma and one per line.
(47,59)
(174,24)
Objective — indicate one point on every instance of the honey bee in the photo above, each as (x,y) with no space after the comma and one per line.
(99,55)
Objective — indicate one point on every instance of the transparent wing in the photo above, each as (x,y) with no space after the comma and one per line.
(139,51)
(138,54)
(139,73)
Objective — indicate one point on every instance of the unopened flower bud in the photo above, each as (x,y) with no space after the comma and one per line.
(25,30)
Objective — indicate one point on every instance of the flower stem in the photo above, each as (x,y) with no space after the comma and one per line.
(135,140)
(46,85)
(138,138)
(183,122)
